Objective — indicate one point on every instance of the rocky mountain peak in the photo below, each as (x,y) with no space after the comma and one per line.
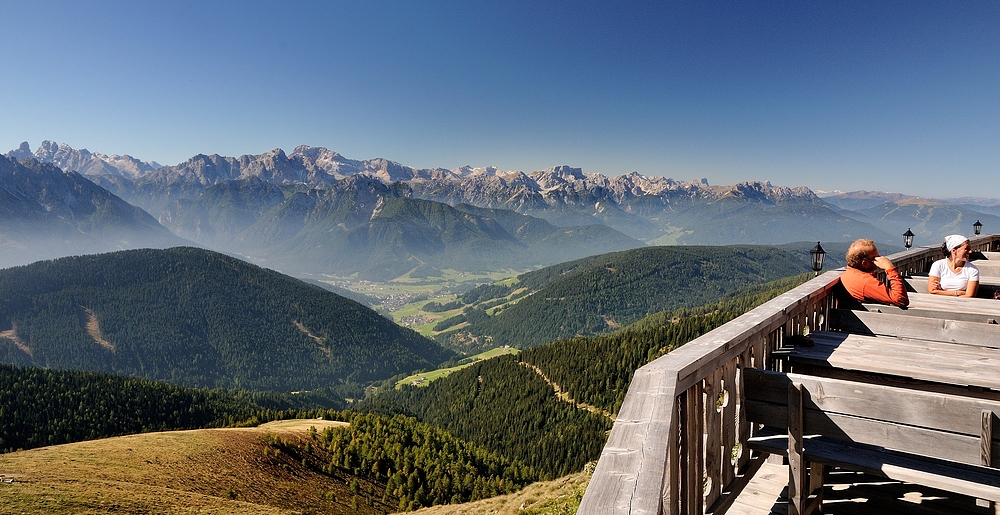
(84,161)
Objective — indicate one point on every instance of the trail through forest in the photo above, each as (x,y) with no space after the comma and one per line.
(563,396)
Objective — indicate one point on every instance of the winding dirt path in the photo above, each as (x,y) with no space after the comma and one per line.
(563,396)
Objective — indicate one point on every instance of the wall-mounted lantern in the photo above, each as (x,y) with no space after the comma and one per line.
(908,238)
(978,227)
(816,256)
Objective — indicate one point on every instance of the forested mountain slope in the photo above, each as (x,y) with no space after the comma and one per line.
(505,405)
(599,294)
(197,318)
(50,407)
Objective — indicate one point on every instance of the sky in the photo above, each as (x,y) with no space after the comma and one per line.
(850,95)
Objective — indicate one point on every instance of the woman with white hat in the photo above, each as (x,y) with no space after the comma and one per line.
(954,275)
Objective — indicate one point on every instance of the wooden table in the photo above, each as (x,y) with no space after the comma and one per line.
(938,306)
(899,361)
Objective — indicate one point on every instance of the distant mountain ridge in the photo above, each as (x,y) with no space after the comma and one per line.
(83,161)
(361,225)
(656,210)
(45,212)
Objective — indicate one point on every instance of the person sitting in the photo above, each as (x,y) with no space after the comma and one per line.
(954,275)
(860,281)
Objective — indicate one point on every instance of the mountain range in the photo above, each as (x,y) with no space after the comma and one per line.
(46,212)
(316,211)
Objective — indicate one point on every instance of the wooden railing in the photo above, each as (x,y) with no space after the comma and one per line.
(677,446)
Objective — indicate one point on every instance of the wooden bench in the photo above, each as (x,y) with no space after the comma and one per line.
(930,365)
(937,306)
(932,439)
(987,285)
(915,327)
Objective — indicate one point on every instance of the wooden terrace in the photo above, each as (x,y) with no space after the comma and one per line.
(813,403)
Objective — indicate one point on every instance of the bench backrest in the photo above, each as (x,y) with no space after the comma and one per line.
(944,426)
(915,327)
(986,288)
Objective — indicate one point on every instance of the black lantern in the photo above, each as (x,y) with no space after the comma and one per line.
(978,227)
(908,239)
(816,255)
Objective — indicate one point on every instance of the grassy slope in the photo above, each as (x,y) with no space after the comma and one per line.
(425,378)
(557,497)
(219,471)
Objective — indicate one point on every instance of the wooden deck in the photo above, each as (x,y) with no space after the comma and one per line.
(851,493)
(653,462)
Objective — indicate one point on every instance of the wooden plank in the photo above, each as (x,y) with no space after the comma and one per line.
(692,502)
(951,364)
(986,439)
(914,327)
(763,492)
(957,304)
(797,493)
(713,436)
(949,413)
(630,473)
(672,483)
(961,478)
(948,314)
(730,422)
(733,491)
(974,481)
(921,441)
(743,426)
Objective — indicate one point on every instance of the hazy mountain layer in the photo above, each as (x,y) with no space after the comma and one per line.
(929,220)
(197,318)
(361,225)
(47,213)
(653,209)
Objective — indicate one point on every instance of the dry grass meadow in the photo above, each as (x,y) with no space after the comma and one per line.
(222,472)
(210,471)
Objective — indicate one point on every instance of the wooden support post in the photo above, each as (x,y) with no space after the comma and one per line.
(986,439)
(986,453)
(816,477)
(798,492)
(730,423)
(713,437)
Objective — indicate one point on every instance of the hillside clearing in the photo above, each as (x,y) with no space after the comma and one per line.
(219,471)
(425,378)
(94,330)
(11,335)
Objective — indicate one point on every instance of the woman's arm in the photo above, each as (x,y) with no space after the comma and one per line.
(934,287)
(970,289)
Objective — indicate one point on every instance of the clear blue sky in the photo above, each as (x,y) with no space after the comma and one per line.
(896,96)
